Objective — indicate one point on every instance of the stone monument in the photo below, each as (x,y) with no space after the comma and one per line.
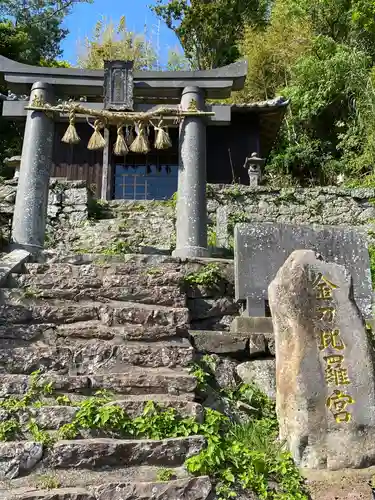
(324,365)
(262,248)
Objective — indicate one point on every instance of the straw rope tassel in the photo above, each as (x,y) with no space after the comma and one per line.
(71,136)
(97,141)
(120,148)
(141,143)
(162,139)
(129,136)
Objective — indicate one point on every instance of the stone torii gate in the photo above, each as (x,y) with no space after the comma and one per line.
(151,88)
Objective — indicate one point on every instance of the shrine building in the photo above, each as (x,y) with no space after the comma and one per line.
(229,136)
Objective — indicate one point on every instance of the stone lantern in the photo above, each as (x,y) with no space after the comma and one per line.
(254,165)
(14,162)
(118,85)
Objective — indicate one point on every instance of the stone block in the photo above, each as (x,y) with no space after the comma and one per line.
(261,249)
(53,494)
(227,344)
(135,381)
(97,453)
(248,324)
(208,308)
(324,365)
(222,232)
(75,196)
(262,373)
(197,488)
(18,458)
(11,263)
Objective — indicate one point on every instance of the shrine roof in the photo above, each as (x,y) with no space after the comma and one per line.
(270,115)
(217,83)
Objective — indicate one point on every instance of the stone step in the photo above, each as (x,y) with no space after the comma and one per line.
(22,457)
(105,452)
(69,478)
(136,381)
(146,268)
(109,313)
(50,333)
(197,488)
(87,358)
(54,417)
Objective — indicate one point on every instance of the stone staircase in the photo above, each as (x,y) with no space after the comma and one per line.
(120,327)
(146,227)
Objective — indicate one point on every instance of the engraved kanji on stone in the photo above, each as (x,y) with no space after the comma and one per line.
(331,338)
(323,287)
(338,403)
(326,313)
(334,373)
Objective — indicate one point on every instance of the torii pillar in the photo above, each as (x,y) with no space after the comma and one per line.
(191,225)
(30,211)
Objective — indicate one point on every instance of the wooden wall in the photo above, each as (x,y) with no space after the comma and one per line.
(76,162)
(241,138)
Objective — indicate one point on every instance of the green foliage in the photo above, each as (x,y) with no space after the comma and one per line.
(233,192)
(165,474)
(198,23)
(34,28)
(237,456)
(244,455)
(177,61)
(321,55)
(38,434)
(211,236)
(48,482)
(236,218)
(110,42)
(272,52)
(208,276)
(30,32)
(9,430)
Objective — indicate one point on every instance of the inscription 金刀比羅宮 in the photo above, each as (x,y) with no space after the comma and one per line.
(331,344)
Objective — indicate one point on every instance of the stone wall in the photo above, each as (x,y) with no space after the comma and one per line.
(228,205)
(68,203)
(77,223)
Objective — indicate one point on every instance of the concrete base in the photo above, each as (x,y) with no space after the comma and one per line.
(246,325)
(191,252)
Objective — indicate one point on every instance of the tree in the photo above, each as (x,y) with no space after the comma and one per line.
(320,54)
(38,24)
(209,30)
(30,32)
(271,53)
(177,61)
(116,42)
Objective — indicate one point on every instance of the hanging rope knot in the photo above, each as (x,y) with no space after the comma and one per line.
(120,148)
(72,116)
(98,125)
(140,143)
(97,141)
(162,139)
(71,136)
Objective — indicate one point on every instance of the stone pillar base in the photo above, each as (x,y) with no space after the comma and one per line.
(33,249)
(187,252)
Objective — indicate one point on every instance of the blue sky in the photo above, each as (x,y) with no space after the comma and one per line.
(84,16)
